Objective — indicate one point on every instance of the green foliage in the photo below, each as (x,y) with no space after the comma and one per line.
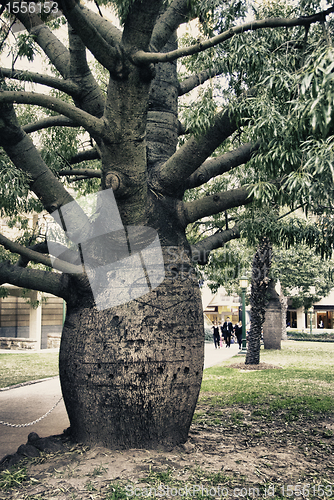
(3,291)
(290,74)
(207,59)
(227,265)
(299,262)
(199,114)
(299,270)
(25,46)
(216,15)
(13,478)
(14,189)
(25,292)
(123,7)
(116,492)
(59,145)
(286,230)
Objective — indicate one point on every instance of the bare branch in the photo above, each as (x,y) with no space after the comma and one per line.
(38,247)
(34,256)
(201,250)
(142,57)
(85,172)
(110,33)
(87,121)
(24,155)
(210,205)
(90,154)
(51,121)
(91,98)
(110,57)
(195,80)
(221,164)
(35,279)
(194,152)
(66,86)
(176,14)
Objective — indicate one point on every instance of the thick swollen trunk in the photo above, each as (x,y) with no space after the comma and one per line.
(131,375)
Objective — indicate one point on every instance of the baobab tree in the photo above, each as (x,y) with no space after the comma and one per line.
(131,368)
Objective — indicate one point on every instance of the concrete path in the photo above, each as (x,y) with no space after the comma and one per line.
(214,356)
(28,403)
(25,404)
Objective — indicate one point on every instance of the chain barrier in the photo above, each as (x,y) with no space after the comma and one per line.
(35,421)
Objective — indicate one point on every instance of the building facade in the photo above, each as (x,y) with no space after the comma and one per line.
(322,313)
(30,320)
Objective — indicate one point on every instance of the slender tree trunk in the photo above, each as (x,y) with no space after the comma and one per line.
(260,280)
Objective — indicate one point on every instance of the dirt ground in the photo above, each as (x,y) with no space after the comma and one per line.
(244,455)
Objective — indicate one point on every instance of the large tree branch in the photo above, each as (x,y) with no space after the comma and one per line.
(88,122)
(91,98)
(110,57)
(210,205)
(142,57)
(51,121)
(38,257)
(201,250)
(38,247)
(34,279)
(21,150)
(224,163)
(193,153)
(139,24)
(57,53)
(66,86)
(110,33)
(194,81)
(176,14)
(85,172)
(89,154)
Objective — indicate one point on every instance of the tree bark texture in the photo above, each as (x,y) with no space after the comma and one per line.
(259,284)
(131,375)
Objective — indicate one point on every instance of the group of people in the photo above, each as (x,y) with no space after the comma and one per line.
(226,331)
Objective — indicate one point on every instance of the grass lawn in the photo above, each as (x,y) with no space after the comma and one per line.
(16,368)
(304,387)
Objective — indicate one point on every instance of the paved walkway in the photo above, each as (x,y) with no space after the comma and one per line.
(27,403)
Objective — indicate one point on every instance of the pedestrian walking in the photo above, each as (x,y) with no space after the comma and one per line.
(216,336)
(227,331)
(238,333)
